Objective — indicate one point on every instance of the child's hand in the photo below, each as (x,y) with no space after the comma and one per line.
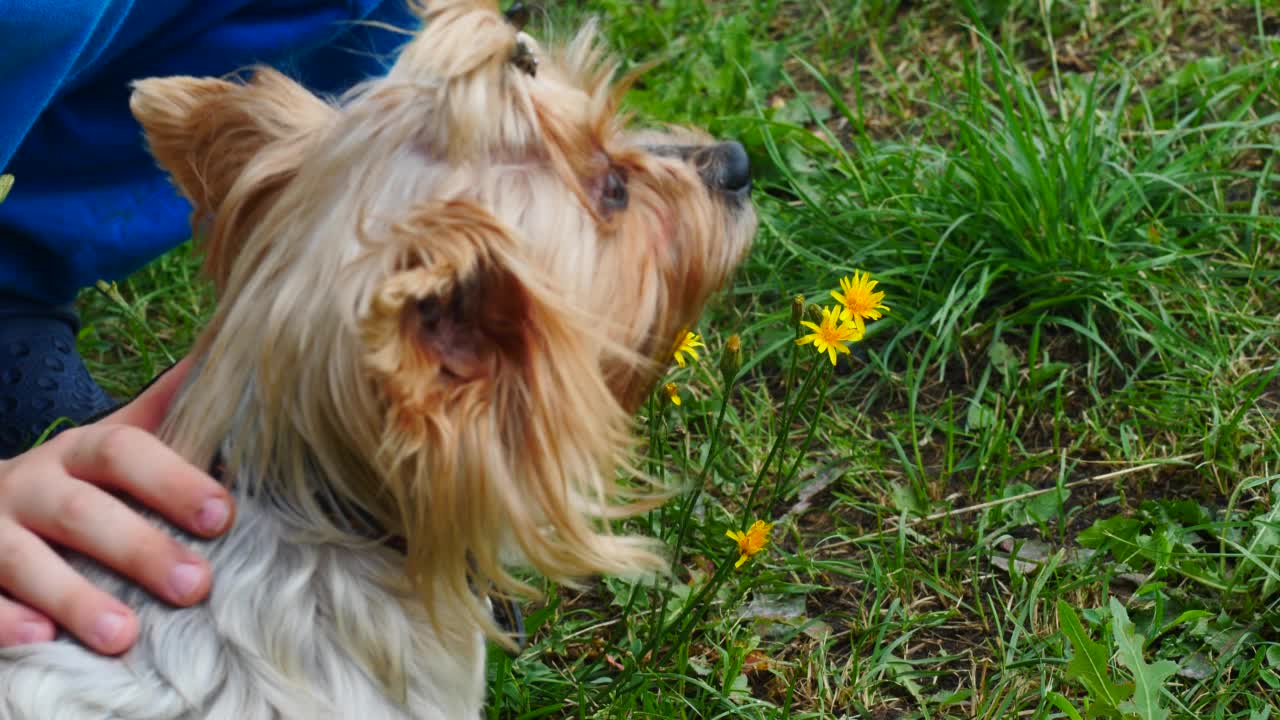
(56,493)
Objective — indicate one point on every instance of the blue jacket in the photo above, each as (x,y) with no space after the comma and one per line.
(88,203)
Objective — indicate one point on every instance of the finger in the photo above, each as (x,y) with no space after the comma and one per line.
(79,516)
(36,576)
(20,625)
(148,409)
(127,459)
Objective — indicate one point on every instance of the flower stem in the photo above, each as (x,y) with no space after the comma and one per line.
(655,423)
(692,611)
(701,482)
(791,372)
(785,480)
(686,513)
(656,469)
(697,607)
(783,432)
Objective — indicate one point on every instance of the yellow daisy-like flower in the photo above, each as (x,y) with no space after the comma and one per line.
(860,301)
(833,335)
(751,542)
(687,345)
(673,392)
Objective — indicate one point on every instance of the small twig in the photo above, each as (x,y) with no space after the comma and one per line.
(1005,501)
(591,629)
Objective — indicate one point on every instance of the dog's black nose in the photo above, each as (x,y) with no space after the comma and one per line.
(735,167)
(724,167)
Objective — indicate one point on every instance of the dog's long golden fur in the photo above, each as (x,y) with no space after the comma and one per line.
(441,298)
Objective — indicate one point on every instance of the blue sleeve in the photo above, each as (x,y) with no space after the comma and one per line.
(88,203)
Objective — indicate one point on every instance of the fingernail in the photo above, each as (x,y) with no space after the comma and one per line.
(212,515)
(184,578)
(33,632)
(107,628)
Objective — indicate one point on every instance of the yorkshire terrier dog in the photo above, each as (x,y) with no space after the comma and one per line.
(442,297)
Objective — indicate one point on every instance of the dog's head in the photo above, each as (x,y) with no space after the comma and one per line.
(446,292)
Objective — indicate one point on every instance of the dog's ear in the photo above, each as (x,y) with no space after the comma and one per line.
(229,146)
(499,424)
(453,311)
(448,337)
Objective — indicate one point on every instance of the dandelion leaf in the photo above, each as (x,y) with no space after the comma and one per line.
(1148,679)
(1088,666)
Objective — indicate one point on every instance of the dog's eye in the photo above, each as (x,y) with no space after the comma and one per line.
(613,196)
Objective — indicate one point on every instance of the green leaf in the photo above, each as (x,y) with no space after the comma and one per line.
(1147,702)
(980,416)
(740,689)
(1044,373)
(1047,506)
(1002,357)
(1117,535)
(1088,666)
(6,182)
(1063,704)
(904,500)
(1186,617)
(1197,72)
(904,673)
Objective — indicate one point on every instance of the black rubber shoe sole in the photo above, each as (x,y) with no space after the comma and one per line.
(42,377)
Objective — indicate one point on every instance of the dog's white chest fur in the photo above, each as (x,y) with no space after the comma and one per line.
(290,632)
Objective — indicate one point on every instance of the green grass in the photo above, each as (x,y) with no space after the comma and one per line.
(1071,411)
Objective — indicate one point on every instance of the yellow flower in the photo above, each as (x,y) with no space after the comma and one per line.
(860,301)
(673,392)
(832,335)
(752,541)
(687,345)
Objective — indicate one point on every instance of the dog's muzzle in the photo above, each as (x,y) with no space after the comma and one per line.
(724,167)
